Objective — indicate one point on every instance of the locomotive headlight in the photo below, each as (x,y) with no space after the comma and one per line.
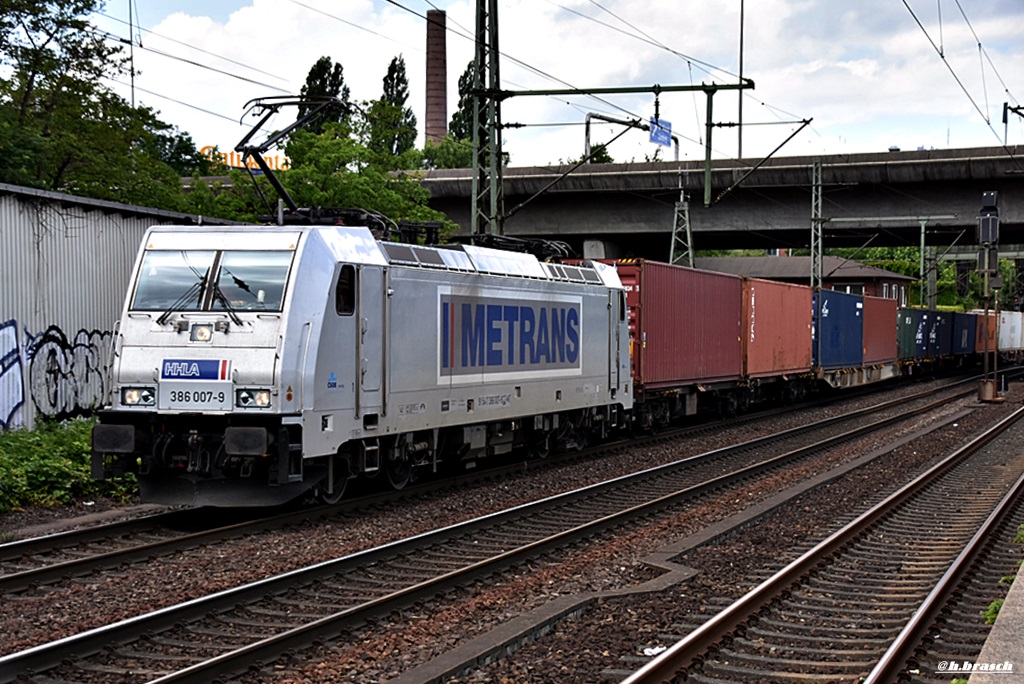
(252,398)
(138,396)
(201,332)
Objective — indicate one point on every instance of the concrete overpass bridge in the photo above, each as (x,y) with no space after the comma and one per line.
(881,198)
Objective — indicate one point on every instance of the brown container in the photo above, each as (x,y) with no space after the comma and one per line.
(777,320)
(980,346)
(685,324)
(880,320)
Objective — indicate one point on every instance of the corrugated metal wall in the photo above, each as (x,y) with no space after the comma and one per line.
(65,264)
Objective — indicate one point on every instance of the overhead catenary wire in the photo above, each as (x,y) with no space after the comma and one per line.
(956,77)
(232,119)
(114,37)
(192,47)
(515,60)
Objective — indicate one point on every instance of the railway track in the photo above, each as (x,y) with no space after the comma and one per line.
(862,602)
(34,563)
(227,631)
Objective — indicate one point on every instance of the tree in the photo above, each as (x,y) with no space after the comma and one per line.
(392,124)
(461,125)
(335,169)
(326,78)
(62,129)
(177,150)
(448,153)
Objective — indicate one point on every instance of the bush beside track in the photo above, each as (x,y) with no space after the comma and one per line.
(50,466)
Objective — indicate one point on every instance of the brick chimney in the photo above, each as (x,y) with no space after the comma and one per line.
(437,76)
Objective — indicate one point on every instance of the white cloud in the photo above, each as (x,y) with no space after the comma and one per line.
(866,73)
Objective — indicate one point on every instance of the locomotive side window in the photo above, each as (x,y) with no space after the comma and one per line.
(345,292)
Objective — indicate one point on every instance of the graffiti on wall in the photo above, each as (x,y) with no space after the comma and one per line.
(66,377)
(65,374)
(12,392)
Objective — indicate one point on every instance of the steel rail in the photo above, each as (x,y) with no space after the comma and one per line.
(234,661)
(690,649)
(55,572)
(49,655)
(893,661)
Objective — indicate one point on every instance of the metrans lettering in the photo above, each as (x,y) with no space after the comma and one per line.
(505,335)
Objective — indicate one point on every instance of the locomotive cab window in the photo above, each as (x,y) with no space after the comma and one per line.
(207,280)
(345,292)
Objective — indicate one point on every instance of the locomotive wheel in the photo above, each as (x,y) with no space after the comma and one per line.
(339,481)
(541,446)
(399,472)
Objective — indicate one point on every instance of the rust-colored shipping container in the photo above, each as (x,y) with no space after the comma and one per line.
(776,327)
(880,317)
(980,345)
(685,324)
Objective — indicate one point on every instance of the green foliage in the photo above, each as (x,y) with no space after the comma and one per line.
(326,78)
(392,125)
(992,612)
(1019,539)
(730,253)
(50,466)
(598,155)
(62,129)
(336,169)
(906,261)
(461,125)
(449,153)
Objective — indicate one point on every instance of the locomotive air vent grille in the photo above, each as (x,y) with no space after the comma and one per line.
(400,253)
(573,274)
(428,257)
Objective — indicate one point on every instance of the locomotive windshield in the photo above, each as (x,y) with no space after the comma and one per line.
(206,280)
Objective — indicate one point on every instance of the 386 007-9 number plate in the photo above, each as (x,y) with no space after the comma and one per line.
(194,396)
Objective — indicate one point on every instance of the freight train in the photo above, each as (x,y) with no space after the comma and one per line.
(255,365)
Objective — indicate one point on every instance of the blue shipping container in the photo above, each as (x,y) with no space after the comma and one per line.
(965,327)
(838,330)
(940,334)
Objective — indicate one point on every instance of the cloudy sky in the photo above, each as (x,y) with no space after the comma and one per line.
(871,74)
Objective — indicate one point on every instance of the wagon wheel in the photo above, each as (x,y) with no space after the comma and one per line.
(336,481)
(399,472)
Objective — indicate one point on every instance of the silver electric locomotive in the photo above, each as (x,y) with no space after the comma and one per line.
(253,365)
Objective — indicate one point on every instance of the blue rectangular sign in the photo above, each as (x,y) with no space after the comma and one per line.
(661,132)
(194,369)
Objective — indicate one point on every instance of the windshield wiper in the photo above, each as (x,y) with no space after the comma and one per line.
(188,294)
(218,294)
